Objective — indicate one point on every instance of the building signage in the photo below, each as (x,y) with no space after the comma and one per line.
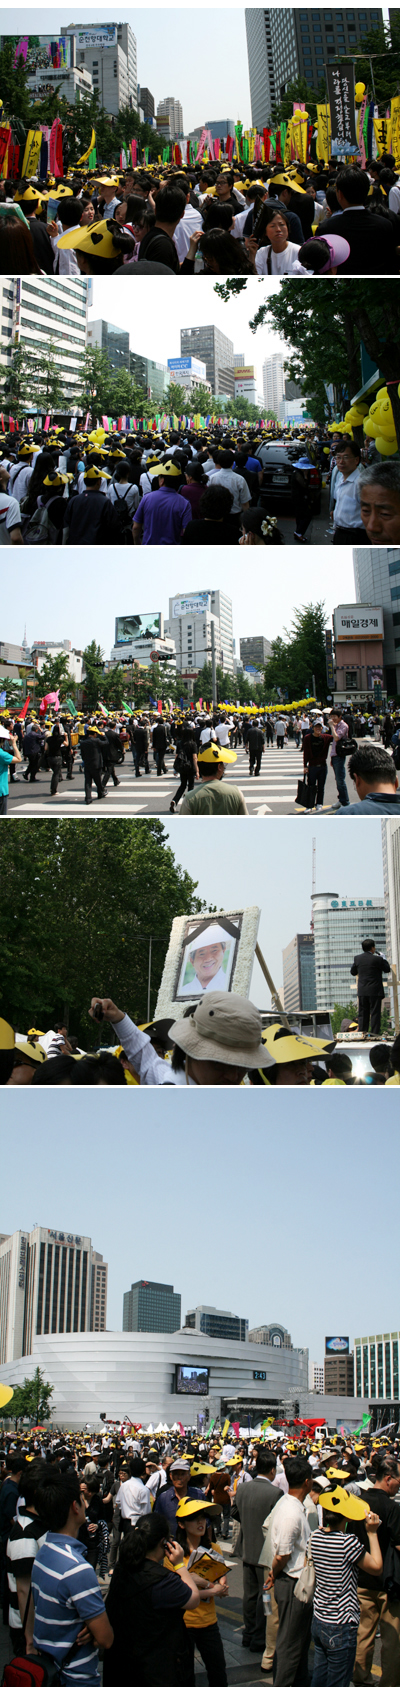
(330,669)
(60,1236)
(337,1344)
(137,627)
(196,366)
(362,623)
(351,903)
(22,1263)
(243,373)
(259,1376)
(191,605)
(104,36)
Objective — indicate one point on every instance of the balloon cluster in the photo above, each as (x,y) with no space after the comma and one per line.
(380,424)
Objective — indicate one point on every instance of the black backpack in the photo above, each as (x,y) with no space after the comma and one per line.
(123,519)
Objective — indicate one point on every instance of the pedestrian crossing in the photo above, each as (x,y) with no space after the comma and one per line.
(273,791)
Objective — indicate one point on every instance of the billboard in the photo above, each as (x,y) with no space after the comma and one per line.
(337,1344)
(49,55)
(138,627)
(360,623)
(196,366)
(244,372)
(191,605)
(105,35)
(192,1379)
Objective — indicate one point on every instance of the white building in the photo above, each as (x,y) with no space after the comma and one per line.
(246,383)
(109,52)
(340,927)
(273,377)
(67,83)
(135,1373)
(377,580)
(171,108)
(189,373)
(136,641)
(189,623)
(221,606)
(376,1366)
(42,651)
(316,1378)
(51,1283)
(36,310)
(391,888)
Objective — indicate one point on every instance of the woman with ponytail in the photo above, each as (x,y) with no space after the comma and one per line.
(145,1604)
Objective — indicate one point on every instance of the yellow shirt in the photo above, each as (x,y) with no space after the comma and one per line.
(395,1079)
(206,1613)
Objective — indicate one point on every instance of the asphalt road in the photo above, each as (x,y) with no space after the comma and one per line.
(318,533)
(272,793)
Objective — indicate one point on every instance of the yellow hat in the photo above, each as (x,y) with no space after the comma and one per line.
(30,194)
(25,451)
(189,1507)
(284,181)
(212,753)
(347,1506)
(285,1046)
(7,1038)
(91,238)
(58,481)
(32,1050)
(94,472)
(62,191)
(170,470)
(331,1472)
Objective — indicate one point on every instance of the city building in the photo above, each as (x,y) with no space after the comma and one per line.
(50,1284)
(377,1366)
(284,44)
(150,375)
(220,127)
(391,888)
(109,51)
(208,343)
(273,378)
(271,1336)
(358,638)
(339,1372)
(299,987)
(238,359)
(171,108)
(255,650)
(151,1306)
(316,1378)
(116,1373)
(41,651)
(340,926)
(37,310)
(377,580)
(189,373)
(146,103)
(111,340)
(245,383)
(213,1322)
(189,624)
(52,69)
(221,609)
(140,640)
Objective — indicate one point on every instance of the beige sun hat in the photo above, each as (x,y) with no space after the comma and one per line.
(223,1027)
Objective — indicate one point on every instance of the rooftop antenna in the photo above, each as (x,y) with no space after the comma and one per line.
(313,880)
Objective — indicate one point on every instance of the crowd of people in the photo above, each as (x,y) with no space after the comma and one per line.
(251,219)
(189,487)
(189,1051)
(201,746)
(121,1541)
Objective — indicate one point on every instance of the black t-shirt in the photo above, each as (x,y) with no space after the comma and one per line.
(389,1530)
(200,533)
(145,1609)
(158,245)
(42,247)
(90,519)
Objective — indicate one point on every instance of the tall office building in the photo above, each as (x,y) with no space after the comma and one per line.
(377,580)
(51,1284)
(271,1336)
(221,608)
(391,888)
(284,43)
(340,927)
(151,1306)
(208,343)
(171,108)
(146,103)
(36,310)
(109,51)
(377,1366)
(110,340)
(273,377)
(190,622)
(299,987)
(215,1322)
(339,1374)
(255,651)
(153,377)
(316,1378)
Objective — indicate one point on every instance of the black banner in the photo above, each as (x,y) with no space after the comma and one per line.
(341,82)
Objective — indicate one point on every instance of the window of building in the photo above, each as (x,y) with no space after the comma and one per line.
(380,1371)
(373,1370)
(396,1371)
(388,1369)
(365,1371)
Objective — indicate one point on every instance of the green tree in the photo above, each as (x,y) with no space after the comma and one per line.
(55,674)
(93,660)
(15,94)
(383,45)
(297,91)
(178,400)
(295,661)
(18,383)
(49,387)
(113,687)
(340,1012)
(95,377)
(327,329)
(31,1399)
(78,904)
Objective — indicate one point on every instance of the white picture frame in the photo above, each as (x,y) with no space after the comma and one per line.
(219,964)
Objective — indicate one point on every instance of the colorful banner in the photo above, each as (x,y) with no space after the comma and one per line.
(31,157)
(323,133)
(395,122)
(382,132)
(341,96)
(85,156)
(360,130)
(5,137)
(21,49)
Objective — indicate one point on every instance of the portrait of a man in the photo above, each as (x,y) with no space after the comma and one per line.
(208,957)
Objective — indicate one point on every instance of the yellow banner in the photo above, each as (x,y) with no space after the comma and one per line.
(32,153)
(382,131)
(288,151)
(323,133)
(298,127)
(224,1432)
(395,122)
(84,158)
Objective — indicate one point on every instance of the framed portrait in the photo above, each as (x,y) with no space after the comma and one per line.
(214,951)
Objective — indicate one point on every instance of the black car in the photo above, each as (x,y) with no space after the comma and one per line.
(278,460)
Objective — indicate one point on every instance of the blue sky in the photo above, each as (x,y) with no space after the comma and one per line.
(269,1203)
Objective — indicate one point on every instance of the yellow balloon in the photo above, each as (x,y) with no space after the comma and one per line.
(359,92)
(382,394)
(6,1394)
(385,447)
(370,429)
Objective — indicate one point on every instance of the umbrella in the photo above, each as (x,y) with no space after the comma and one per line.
(6,1394)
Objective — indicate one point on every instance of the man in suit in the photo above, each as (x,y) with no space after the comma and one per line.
(371,237)
(253,1502)
(369,966)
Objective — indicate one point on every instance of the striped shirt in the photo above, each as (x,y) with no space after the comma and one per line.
(26,1537)
(66,1593)
(336,1557)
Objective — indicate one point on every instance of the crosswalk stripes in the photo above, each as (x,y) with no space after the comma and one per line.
(272,791)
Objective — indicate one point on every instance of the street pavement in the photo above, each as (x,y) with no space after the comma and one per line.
(318,533)
(273,792)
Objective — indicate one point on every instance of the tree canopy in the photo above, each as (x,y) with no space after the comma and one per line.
(78,904)
(301,657)
(31,1399)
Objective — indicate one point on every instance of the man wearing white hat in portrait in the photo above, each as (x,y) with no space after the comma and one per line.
(206,955)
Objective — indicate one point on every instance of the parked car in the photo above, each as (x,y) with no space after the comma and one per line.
(278,458)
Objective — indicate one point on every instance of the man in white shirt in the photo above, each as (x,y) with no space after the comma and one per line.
(191,221)
(289,1539)
(230,479)
(10,518)
(134,1497)
(347,521)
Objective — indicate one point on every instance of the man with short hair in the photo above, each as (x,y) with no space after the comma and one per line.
(65,1589)
(178,1489)
(133,1496)
(252,1507)
(289,1539)
(158,242)
(377,1607)
(375,778)
(369,968)
(371,238)
(213,794)
(379,487)
(347,525)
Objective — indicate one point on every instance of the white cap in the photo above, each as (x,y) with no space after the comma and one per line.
(213,933)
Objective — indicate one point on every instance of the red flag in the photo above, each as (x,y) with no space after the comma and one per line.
(181,1429)
(24,708)
(236,1428)
(11,426)
(159,706)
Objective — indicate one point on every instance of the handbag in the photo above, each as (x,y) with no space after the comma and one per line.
(303,793)
(305,1586)
(34,1671)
